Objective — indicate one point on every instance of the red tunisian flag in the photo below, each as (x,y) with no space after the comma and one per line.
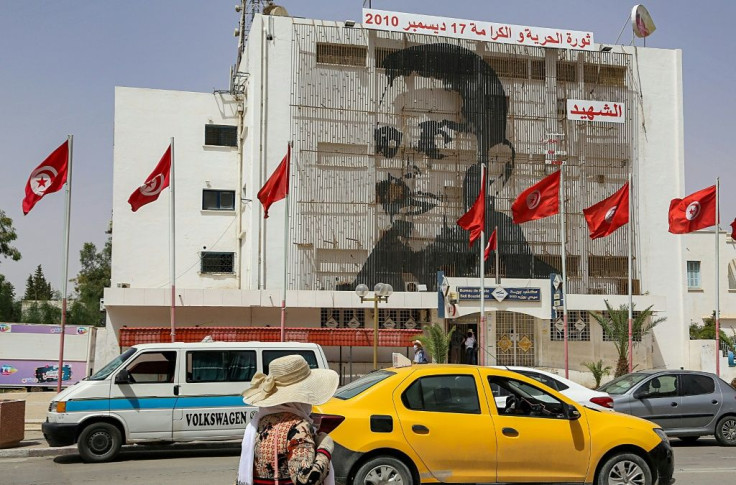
(155,183)
(47,178)
(277,185)
(696,211)
(475,219)
(609,214)
(733,229)
(538,201)
(491,246)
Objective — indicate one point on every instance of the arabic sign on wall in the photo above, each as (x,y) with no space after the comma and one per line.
(588,110)
(499,293)
(477,30)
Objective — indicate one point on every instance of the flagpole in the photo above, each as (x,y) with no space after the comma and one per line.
(564,265)
(286,252)
(718,288)
(630,289)
(172,245)
(65,263)
(481,248)
(498,247)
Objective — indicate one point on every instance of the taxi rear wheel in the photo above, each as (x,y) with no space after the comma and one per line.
(383,470)
(625,468)
(99,442)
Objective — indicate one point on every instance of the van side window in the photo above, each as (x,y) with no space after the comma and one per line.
(152,367)
(221,365)
(270,355)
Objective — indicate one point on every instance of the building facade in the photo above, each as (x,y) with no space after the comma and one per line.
(388,134)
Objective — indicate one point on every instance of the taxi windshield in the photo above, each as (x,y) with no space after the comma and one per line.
(102,374)
(367,381)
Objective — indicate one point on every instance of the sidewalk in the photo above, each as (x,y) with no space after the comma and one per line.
(34,444)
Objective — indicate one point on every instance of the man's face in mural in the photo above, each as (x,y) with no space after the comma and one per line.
(421,139)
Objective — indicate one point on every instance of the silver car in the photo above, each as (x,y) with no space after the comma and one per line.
(686,404)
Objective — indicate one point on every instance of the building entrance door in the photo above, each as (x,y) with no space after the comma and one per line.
(515,339)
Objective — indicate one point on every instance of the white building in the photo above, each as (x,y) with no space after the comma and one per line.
(388,132)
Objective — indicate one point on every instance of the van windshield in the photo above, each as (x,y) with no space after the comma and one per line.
(102,374)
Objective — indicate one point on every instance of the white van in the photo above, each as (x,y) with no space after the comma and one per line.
(165,392)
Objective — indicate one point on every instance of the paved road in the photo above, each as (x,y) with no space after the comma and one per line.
(702,463)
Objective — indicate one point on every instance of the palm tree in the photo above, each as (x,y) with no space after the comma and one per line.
(598,370)
(436,342)
(616,325)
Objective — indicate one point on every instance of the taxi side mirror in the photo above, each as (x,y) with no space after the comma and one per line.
(570,412)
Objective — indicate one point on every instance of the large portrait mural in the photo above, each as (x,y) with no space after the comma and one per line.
(390,142)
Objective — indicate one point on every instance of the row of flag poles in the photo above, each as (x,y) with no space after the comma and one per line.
(55,172)
(546,198)
(543,199)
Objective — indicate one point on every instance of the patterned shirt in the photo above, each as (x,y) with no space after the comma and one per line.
(291,438)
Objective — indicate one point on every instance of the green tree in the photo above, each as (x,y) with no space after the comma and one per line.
(90,284)
(7,236)
(598,370)
(37,288)
(707,331)
(436,342)
(615,324)
(42,312)
(9,308)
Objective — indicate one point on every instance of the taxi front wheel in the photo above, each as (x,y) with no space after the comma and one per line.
(99,442)
(625,468)
(383,470)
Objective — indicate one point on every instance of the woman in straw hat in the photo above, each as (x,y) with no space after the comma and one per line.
(280,445)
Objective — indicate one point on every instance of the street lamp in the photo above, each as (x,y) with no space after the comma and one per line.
(381,292)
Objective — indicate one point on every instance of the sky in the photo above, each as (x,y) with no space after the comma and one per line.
(60,62)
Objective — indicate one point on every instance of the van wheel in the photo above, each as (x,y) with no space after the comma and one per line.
(726,431)
(99,442)
(625,468)
(383,470)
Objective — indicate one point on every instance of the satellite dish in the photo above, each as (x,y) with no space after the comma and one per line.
(641,21)
(275,10)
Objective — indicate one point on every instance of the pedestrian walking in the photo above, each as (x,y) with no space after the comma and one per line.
(281,445)
(420,356)
(471,346)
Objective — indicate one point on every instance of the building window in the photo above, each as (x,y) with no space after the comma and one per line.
(341,54)
(217,262)
(693,274)
(342,318)
(578,326)
(622,324)
(218,200)
(221,135)
(732,275)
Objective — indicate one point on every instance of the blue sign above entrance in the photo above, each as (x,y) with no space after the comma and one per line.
(499,293)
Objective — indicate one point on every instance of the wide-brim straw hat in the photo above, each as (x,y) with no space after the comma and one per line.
(417,342)
(291,380)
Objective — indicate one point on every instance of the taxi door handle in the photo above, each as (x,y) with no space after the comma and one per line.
(510,432)
(714,401)
(674,404)
(420,429)
(176,390)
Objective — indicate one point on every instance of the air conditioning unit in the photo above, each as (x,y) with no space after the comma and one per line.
(411,286)
(123,285)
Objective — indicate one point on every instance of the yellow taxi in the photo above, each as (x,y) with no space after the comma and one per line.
(437,423)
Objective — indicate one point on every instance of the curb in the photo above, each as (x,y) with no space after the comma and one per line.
(20,452)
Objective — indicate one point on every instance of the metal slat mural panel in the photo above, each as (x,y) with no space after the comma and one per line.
(389,134)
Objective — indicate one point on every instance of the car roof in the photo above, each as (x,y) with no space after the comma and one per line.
(215,345)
